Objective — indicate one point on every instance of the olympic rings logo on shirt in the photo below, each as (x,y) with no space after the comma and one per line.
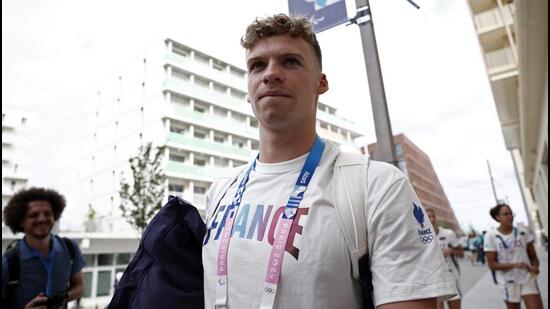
(426,239)
(221,282)
(269,290)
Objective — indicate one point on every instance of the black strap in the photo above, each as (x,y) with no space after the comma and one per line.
(12,257)
(365,280)
(70,248)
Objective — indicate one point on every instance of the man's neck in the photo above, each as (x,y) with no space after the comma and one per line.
(41,245)
(436,229)
(276,147)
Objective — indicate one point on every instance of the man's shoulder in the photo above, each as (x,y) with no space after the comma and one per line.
(375,169)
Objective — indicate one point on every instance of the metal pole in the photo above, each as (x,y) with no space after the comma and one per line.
(385,150)
(521,190)
(492,183)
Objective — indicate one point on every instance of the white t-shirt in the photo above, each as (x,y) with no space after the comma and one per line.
(316,270)
(511,248)
(447,239)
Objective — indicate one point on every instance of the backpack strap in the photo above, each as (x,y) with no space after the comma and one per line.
(12,257)
(70,247)
(350,172)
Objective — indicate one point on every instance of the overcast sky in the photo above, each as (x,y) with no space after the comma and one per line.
(55,52)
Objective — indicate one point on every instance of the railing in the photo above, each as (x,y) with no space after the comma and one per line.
(206,95)
(214,121)
(210,146)
(492,19)
(500,60)
(225,77)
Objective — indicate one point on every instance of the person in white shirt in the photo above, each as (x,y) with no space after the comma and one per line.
(512,258)
(249,219)
(452,250)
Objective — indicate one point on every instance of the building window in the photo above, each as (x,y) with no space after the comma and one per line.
(219,138)
(324,125)
(123,259)
(23,121)
(103,283)
(180,50)
(89,258)
(202,82)
(238,94)
(199,190)
(218,65)
(220,88)
(177,158)
(202,58)
(237,72)
(105,259)
(199,162)
(198,134)
(88,276)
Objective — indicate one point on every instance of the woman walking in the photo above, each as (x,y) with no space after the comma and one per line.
(512,259)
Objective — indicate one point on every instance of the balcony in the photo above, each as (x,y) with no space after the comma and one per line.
(210,147)
(216,122)
(494,18)
(340,122)
(206,95)
(499,62)
(206,71)
(203,173)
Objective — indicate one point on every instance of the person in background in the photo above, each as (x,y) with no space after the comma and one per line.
(452,250)
(48,268)
(512,258)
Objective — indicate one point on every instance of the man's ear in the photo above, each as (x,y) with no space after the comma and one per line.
(323,84)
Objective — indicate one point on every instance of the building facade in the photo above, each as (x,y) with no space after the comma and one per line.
(191,102)
(513,39)
(17,131)
(419,169)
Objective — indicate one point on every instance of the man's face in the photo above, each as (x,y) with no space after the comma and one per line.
(38,220)
(284,82)
(432,216)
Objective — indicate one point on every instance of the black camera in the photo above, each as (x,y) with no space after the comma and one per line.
(56,301)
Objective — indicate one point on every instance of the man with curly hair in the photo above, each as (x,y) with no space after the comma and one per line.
(281,208)
(46,268)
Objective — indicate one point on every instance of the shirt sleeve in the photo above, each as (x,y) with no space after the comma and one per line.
(490,244)
(78,262)
(405,258)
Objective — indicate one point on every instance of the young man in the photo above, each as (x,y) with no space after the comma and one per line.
(452,250)
(281,208)
(47,269)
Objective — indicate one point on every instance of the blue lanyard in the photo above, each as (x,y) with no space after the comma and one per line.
(47,262)
(294,200)
(302,182)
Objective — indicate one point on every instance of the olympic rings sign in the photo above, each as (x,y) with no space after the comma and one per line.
(426,239)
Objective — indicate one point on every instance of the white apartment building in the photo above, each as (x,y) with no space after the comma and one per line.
(193,103)
(513,37)
(16,150)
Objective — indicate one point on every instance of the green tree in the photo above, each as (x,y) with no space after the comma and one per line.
(141,197)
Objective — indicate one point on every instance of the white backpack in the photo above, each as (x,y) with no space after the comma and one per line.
(350,171)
